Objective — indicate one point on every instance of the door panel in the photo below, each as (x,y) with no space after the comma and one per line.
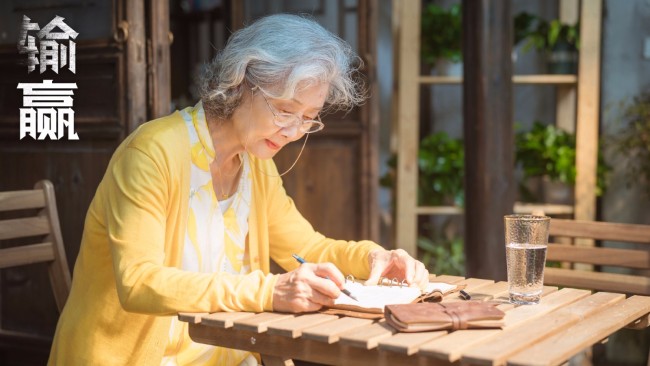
(320,183)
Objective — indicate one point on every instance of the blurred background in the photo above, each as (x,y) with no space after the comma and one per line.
(581,77)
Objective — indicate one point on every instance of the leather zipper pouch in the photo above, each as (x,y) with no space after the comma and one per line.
(428,316)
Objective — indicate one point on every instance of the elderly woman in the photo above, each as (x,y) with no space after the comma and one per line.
(192,209)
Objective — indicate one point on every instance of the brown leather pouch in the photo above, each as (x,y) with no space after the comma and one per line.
(421,317)
(356,312)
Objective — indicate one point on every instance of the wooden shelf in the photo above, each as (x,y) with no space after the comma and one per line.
(440,79)
(546,79)
(546,208)
(517,79)
(439,210)
(577,110)
(520,208)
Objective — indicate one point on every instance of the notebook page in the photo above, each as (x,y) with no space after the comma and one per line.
(376,297)
(439,286)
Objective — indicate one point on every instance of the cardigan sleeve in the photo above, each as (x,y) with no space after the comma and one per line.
(290,232)
(136,203)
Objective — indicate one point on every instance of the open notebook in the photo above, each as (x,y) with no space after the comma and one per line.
(373,299)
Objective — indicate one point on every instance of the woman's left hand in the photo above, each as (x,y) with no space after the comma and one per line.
(396,264)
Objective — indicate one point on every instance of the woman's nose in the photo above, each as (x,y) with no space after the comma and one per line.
(290,132)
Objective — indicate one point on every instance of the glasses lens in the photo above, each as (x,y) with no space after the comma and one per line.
(286,120)
(311,126)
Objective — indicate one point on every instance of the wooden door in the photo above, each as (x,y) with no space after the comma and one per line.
(334,184)
(121,59)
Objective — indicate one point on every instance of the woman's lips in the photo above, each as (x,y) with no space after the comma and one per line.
(272,145)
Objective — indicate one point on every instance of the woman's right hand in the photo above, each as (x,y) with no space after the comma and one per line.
(307,288)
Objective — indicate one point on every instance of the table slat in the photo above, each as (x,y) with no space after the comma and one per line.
(640,323)
(409,343)
(368,336)
(548,290)
(277,361)
(451,346)
(300,348)
(192,318)
(485,293)
(475,283)
(514,339)
(547,304)
(224,320)
(293,327)
(471,284)
(446,279)
(329,332)
(585,333)
(260,322)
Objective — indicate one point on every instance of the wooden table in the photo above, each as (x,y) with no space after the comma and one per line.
(561,326)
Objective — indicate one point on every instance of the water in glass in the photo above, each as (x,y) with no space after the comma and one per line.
(525,272)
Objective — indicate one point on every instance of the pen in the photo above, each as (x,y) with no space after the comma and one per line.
(345,291)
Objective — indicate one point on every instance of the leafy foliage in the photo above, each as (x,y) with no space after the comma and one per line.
(441,161)
(546,150)
(544,35)
(441,33)
(634,140)
(442,255)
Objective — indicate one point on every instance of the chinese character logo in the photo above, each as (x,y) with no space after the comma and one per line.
(52,53)
(47,112)
(45,121)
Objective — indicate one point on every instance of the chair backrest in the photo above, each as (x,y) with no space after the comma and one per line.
(44,224)
(633,258)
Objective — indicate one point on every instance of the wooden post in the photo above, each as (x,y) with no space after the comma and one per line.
(588,117)
(489,136)
(408,129)
(565,112)
(158,62)
(236,15)
(136,55)
(367,41)
(588,110)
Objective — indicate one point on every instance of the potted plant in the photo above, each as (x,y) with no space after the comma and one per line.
(441,171)
(441,38)
(548,153)
(440,182)
(633,141)
(559,41)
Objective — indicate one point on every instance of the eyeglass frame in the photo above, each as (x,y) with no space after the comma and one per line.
(301,121)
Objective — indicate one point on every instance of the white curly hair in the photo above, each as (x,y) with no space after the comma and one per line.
(281,53)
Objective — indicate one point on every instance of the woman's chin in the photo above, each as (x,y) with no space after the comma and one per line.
(263,153)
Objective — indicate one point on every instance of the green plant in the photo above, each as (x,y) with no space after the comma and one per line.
(546,150)
(442,255)
(441,33)
(440,182)
(523,25)
(441,161)
(633,142)
(544,35)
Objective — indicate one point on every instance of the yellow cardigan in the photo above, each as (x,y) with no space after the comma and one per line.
(127,283)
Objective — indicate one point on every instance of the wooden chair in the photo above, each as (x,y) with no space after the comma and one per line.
(638,259)
(50,249)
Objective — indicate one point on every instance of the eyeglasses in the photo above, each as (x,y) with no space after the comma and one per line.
(288,120)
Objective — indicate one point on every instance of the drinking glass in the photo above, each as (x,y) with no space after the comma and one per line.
(526,243)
